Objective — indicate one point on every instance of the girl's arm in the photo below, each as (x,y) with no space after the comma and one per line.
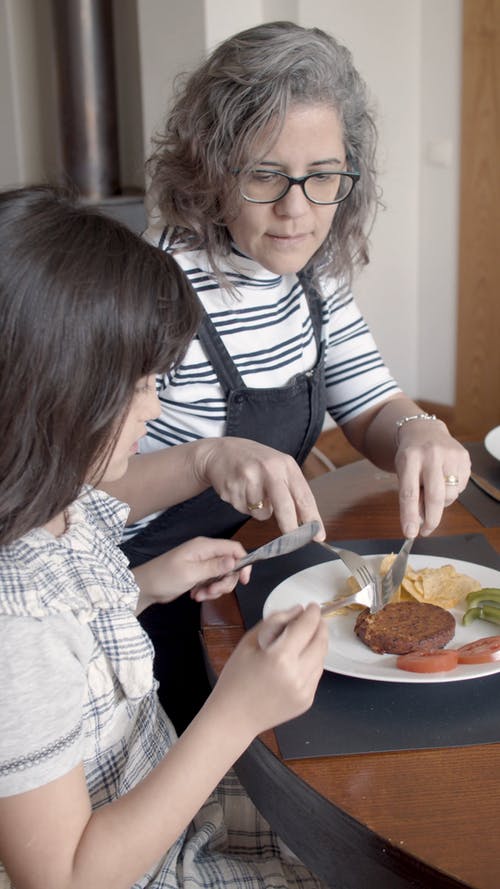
(51,839)
(241,471)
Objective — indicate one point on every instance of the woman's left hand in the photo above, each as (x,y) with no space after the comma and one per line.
(433,469)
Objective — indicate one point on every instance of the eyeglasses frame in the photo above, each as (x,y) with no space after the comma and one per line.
(301,180)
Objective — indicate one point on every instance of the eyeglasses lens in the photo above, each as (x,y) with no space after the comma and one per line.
(328,187)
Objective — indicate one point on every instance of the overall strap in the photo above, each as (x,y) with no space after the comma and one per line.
(315,303)
(225,369)
(228,374)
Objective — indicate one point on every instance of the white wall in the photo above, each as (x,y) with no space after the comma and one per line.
(439,147)
(409,53)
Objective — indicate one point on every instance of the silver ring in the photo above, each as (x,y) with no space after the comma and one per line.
(254,506)
(451,480)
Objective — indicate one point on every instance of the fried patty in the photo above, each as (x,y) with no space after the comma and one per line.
(401,627)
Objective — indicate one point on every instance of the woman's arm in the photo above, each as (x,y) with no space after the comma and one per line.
(51,839)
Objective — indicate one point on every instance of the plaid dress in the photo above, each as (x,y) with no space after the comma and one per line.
(72,599)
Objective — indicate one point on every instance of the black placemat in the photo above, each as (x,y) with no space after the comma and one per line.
(485,508)
(360,716)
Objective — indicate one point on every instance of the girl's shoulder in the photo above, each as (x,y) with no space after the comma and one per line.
(82,571)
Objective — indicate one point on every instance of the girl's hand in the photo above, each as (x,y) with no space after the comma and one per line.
(273,673)
(258,480)
(427,457)
(192,565)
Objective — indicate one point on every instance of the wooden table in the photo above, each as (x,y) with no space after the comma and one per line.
(428,818)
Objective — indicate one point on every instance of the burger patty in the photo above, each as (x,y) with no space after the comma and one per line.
(401,627)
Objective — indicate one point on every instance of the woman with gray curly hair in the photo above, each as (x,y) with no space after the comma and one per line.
(264,189)
(230,113)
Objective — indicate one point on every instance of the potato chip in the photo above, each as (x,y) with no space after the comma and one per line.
(443,586)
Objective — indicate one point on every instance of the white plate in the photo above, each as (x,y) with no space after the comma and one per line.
(351,657)
(492,442)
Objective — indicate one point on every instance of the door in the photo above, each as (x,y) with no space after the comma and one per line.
(478,340)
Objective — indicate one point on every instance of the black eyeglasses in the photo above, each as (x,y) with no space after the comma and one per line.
(268,186)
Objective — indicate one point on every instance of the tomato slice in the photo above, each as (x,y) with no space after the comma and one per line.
(482,651)
(438,661)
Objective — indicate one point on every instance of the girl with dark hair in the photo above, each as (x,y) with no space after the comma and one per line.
(264,192)
(95,788)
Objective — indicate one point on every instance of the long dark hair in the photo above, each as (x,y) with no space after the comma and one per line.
(221,110)
(86,309)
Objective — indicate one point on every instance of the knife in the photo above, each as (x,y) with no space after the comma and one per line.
(392,579)
(287,543)
(486,486)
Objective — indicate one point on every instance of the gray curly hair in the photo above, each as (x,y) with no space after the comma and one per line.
(220,112)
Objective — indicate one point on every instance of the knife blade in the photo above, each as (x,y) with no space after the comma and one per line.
(486,486)
(393,577)
(280,546)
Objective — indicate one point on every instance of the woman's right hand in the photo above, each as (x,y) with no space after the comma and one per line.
(273,673)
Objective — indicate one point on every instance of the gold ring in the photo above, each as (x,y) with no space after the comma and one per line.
(253,506)
(451,480)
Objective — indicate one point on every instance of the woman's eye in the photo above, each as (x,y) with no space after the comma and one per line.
(325,177)
(263,176)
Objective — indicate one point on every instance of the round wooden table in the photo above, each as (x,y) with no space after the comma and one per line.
(426,818)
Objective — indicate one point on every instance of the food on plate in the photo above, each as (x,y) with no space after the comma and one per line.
(483,604)
(481,651)
(442,586)
(440,661)
(402,627)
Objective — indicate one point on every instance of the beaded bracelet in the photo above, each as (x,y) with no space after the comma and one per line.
(403,420)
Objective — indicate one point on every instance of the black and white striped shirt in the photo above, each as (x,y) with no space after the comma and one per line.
(267,330)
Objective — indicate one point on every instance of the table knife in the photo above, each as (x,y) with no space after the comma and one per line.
(287,543)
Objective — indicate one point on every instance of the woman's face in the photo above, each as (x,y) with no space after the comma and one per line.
(283,236)
(143,407)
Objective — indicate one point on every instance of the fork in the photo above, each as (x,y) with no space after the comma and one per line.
(365,576)
(392,579)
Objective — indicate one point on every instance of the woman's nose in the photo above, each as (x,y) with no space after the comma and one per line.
(294,203)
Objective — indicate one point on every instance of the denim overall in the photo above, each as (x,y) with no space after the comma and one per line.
(288,418)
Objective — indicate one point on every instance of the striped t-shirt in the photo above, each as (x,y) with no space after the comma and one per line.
(266,328)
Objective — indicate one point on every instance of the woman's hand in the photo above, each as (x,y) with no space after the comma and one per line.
(258,480)
(273,673)
(426,458)
(432,469)
(194,564)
